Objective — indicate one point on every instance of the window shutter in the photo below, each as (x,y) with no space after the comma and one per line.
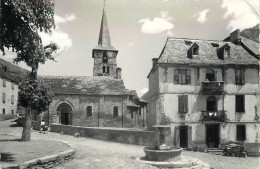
(176,76)
(177,136)
(237,76)
(185,103)
(242,76)
(181,103)
(188,77)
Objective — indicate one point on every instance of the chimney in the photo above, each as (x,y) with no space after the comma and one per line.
(118,72)
(235,37)
(154,61)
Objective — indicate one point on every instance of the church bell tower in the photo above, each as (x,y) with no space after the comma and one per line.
(105,54)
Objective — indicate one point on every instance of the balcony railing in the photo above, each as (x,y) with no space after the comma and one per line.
(215,87)
(216,116)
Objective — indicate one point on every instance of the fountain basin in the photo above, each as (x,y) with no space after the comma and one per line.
(154,154)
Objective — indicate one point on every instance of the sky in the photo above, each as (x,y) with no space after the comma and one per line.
(139,30)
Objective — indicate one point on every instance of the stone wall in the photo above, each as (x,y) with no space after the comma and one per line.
(128,136)
(102,111)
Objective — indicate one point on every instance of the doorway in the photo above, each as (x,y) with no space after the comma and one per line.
(212,135)
(65,114)
(184,136)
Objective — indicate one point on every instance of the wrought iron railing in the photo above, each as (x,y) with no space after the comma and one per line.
(217,116)
(213,87)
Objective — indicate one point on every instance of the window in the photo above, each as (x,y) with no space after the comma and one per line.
(105,58)
(3,111)
(240,103)
(212,104)
(183,103)
(108,69)
(12,99)
(4,82)
(182,76)
(89,111)
(195,50)
(104,69)
(12,112)
(140,112)
(115,111)
(240,76)
(210,75)
(12,86)
(132,115)
(227,51)
(241,132)
(3,97)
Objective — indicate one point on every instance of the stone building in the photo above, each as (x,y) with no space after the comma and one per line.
(9,92)
(101,100)
(206,92)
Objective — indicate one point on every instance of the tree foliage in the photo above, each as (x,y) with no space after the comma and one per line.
(20,22)
(36,94)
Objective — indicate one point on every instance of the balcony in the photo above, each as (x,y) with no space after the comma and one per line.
(212,88)
(215,116)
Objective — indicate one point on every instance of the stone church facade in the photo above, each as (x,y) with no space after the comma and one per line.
(206,92)
(98,101)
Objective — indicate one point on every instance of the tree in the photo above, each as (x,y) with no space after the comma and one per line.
(36,95)
(20,22)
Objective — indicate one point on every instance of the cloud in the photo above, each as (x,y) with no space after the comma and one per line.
(242,13)
(57,36)
(157,25)
(67,18)
(202,15)
(143,91)
(130,44)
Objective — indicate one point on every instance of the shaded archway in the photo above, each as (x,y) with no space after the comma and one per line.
(65,113)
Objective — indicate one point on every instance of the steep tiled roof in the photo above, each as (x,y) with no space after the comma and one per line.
(175,51)
(15,71)
(86,85)
(251,44)
(7,75)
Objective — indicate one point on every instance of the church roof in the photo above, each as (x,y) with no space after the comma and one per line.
(86,85)
(104,42)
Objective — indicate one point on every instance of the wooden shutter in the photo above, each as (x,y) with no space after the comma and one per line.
(188,77)
(180,103)
(189,137)
(242,76)
(176,76)
(177,136)
(185,103)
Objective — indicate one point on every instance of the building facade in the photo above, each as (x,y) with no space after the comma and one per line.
(207,92)
(9,92)
(98,101)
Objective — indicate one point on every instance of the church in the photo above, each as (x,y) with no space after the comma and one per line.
(98,101)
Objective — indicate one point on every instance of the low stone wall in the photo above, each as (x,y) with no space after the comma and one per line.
(253,149)
(121,135)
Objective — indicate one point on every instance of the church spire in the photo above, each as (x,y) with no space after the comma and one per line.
(104,37)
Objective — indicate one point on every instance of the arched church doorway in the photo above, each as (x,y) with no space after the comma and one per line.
(65,113)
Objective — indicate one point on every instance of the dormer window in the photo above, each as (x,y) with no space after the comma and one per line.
(194,50)
(105,58)
(224,52)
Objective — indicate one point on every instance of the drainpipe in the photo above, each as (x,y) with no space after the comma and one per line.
(122,111)
(143,116)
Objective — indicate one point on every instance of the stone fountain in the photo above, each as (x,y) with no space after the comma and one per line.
(165,156)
